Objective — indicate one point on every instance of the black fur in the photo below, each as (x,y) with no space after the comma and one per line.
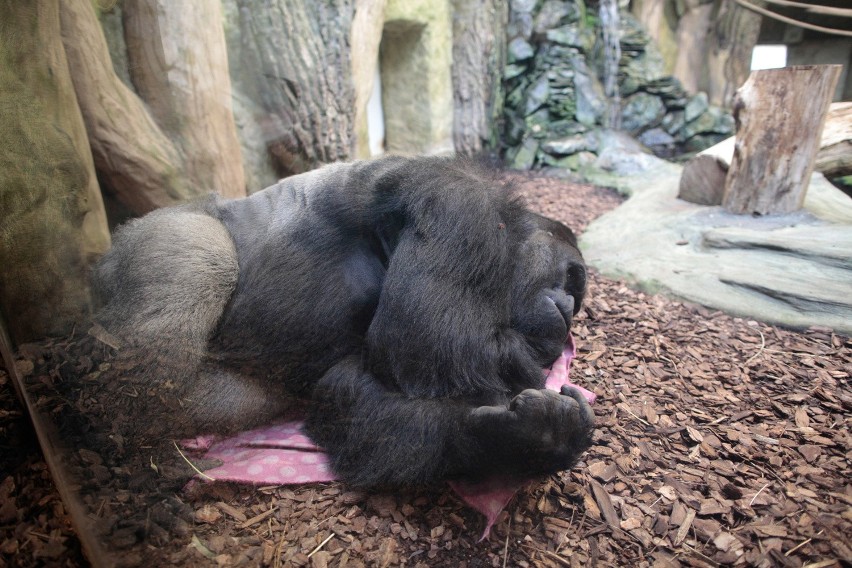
(412,301)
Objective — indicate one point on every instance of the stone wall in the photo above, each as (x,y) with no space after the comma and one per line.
(555,97)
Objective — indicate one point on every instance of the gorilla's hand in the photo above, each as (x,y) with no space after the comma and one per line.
(538,431)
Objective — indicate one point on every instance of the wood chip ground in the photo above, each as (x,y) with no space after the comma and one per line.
(721,442)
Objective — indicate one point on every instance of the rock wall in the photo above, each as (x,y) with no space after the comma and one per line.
(555,96)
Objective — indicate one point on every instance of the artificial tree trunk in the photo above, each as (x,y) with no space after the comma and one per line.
(51,212)
(295,69)
(136,161)
(479,54)
(179,64)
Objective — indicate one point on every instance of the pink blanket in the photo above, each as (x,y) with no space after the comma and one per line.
(281,455)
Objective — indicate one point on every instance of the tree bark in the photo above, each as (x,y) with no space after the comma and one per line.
(479,55)
(703,180)
(179,65)
(780,115)
(51,212)
(137,163)
(835,155)
(365,39)
(732,38)
(296,68)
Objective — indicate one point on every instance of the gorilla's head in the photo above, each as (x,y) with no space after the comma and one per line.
(548,288)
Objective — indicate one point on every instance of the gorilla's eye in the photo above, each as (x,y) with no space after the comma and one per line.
(549,234)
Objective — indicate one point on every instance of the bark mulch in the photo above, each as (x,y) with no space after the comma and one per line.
(721,441)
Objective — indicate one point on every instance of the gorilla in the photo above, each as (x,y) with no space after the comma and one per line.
(411,303)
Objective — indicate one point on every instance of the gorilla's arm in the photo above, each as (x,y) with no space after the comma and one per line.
(475,300)
(375,436)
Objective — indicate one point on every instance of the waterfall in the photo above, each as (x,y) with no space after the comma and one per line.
(608,14)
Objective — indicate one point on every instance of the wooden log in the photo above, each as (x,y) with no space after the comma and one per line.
(834,158)
(780,114)
(179,64)
(703,180)
(138,164)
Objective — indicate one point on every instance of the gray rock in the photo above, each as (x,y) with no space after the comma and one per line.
(591,102)
(513,70)
(642,111)
(704,123)
(726,124)
(696,106)
(519,50)
(668,88)
(563,103)
(536,95)
(520,25)
(524,155)
(536,123)
(581,38)
(516,95)
(701,142)
(515,128)
(571,144)
(563,128)
(673,122)
(553,13)
(656,137)
(575,162)
(520,6)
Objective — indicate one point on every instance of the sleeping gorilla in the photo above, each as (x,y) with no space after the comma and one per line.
(412,301)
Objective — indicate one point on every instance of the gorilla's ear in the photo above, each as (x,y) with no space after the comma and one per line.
(446,293)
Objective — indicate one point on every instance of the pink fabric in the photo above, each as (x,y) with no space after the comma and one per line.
(276,455)
(281,455)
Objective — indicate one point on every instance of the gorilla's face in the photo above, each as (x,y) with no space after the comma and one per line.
(549,285)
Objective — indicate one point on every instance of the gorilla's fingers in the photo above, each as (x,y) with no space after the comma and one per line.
(586,412)
(487,412)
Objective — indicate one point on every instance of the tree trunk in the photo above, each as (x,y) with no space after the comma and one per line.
(138,164)
(179,65)
(479,54)
(780,115)
(835,155)
(732,39)
(296,68)
(51,212)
